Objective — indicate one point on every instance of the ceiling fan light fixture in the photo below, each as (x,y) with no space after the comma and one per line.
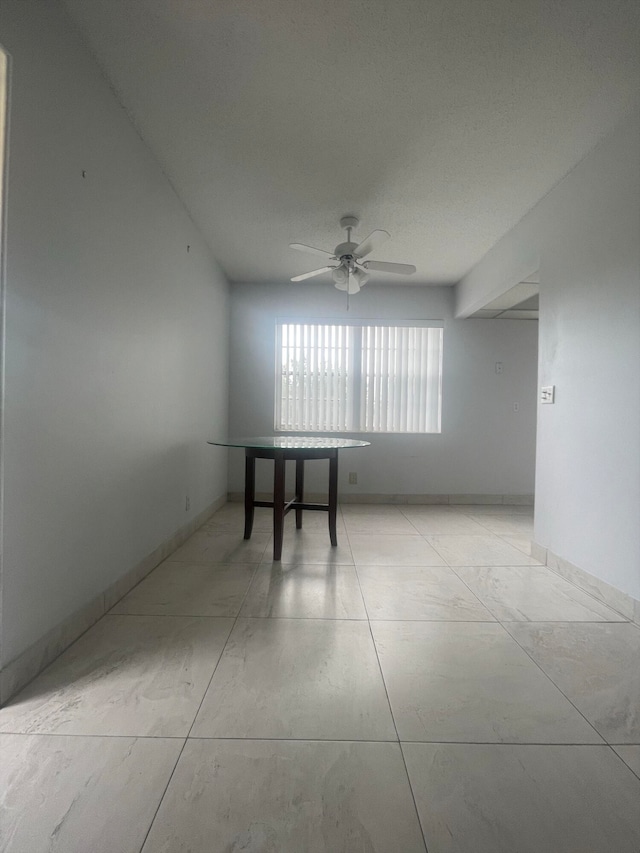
(340,278)
(360,276)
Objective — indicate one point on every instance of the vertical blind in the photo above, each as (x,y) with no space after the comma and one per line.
(364,378)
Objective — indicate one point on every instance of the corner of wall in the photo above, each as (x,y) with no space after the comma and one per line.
(23,669)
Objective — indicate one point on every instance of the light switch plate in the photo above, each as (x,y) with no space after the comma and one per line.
(548,394)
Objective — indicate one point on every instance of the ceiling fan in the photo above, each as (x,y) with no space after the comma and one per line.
(350,272)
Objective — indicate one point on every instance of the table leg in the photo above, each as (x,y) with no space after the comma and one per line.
(333,497)
(299,490)
(278,505)
(249,494)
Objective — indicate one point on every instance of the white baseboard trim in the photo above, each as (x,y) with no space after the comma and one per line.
(613,597)
(506,500)
(23,669)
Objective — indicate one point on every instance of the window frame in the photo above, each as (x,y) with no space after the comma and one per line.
(355,366)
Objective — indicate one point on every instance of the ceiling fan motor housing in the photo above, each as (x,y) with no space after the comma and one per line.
(344,251)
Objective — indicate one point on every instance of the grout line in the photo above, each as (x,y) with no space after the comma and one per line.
(491,621)
(66,735)
(196,714)
(375,619)
(579,744)
(171,615)
(296,739)
(393,719)
(617,755)
(162,796)
(98,736)
(551,679)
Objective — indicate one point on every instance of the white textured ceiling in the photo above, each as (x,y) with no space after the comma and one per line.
(441,121)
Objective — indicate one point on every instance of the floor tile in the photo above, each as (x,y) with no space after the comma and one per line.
(81,793)
(596,665)
(422,592)
(435,520)
(393,550)
(468,681)
(497,510)
(190,589)
(524,799)
(302,798)
(478,551)
(128,675)
(391,520)
(302,546)
(499,757)
(313,591)
(521,543)
(223,546)
(505,525)
(297,678)
(314,522)
(631,756)
(231,517)
(533,593)
(372,510)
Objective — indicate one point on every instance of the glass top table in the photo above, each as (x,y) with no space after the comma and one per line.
(291,442)
(283,448)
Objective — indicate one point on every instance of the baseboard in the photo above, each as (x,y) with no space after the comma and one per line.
(625,604)
(23,669)
(506,500)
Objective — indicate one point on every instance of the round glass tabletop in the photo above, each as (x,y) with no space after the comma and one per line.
(290,442)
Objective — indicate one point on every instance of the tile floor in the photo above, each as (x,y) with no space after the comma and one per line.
(426,685)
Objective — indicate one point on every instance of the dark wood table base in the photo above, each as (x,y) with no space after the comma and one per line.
(280,506)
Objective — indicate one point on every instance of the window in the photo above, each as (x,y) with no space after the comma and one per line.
(359,377)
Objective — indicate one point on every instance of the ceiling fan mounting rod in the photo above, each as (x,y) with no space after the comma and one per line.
(349,223)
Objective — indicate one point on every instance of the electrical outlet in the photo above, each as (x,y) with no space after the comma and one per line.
(516,407)
(187,504)
(353,478)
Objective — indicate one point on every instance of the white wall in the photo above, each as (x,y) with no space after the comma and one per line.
(588,470)
(485,447)
(586,233)
(116,339)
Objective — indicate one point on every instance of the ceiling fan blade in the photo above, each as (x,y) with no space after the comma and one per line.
(383,266)
(376,238)
(311,274)
(311,250)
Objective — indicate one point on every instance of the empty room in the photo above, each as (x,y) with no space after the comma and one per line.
(320,430)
